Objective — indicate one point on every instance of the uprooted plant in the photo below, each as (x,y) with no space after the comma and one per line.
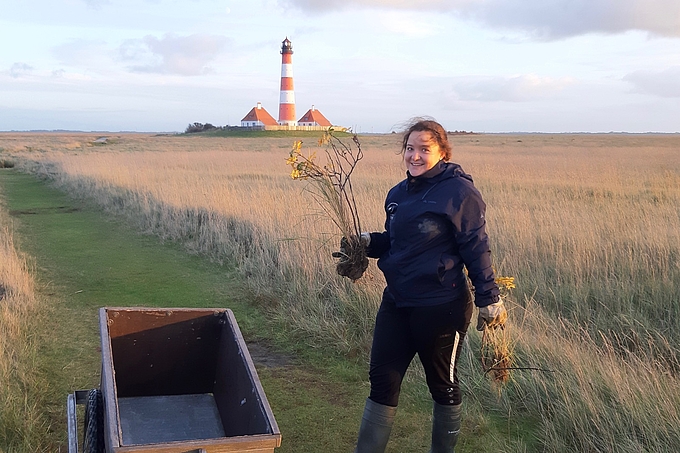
(497,354)
(332,189)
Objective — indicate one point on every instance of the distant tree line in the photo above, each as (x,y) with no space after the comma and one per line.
(199,127)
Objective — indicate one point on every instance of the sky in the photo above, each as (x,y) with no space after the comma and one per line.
(473,65)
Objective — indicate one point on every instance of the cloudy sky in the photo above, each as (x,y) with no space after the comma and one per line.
(479,65)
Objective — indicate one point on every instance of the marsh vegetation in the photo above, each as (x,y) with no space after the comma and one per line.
(587,225)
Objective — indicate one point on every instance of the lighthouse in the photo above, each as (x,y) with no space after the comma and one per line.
(287,99)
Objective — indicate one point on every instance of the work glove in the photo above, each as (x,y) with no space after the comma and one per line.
(492,316)
(350,266)
(363,238)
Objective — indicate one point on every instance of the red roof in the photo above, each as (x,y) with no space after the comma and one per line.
(314,116)
(258,113)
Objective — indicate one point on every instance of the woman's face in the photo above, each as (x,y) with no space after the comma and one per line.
(422,152)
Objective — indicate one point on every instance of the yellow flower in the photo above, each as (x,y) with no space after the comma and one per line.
(292,159)
(297,146)
(506,282)
(295,174)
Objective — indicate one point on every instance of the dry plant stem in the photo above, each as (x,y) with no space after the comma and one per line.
(498,351)
(342,163)
(520,368)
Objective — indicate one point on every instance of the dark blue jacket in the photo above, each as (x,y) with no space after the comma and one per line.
(435,226)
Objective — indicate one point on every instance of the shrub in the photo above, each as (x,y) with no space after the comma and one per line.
(198,127)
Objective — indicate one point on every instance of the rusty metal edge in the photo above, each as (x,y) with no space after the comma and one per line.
(254,443)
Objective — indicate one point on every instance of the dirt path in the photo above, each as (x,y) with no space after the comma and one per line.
(85,259)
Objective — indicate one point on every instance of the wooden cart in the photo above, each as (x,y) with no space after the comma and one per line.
(174,381)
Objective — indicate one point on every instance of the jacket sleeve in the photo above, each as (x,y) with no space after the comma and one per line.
(473,246)
(380,242)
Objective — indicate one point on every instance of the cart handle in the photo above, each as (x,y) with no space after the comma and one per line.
(77,397)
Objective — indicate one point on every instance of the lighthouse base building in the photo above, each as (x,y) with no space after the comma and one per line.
(259,119)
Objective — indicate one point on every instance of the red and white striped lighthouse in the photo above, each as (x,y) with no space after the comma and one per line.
(287,100)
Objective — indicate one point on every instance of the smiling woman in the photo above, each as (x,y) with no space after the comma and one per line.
(433,240)
(423,149)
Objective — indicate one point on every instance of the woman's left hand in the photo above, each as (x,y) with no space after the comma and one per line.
(492,316)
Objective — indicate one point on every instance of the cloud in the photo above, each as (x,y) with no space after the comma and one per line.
(19,69)
(183,55)
(83,53)
(659,83)
(541,19)
(521,88)
(408,26)
(97,4)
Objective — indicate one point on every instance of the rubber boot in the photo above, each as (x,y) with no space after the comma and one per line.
(376,425)
(445,427)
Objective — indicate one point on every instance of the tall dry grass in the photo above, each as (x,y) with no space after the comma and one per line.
(586,223)
(22,423)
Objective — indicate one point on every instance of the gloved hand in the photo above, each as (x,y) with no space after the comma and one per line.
(492,316)
(363,238)
(352,262)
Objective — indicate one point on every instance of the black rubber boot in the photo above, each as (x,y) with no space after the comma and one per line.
(445,427)
(376,425)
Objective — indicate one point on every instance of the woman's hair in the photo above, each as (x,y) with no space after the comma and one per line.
(433,127)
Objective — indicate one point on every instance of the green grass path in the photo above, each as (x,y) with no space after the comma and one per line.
(84,259)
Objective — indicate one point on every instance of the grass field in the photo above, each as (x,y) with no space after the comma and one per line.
(587,224)
(84,260)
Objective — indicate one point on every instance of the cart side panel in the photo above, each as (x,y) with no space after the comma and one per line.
(111,426)
(164,352)
(238,394)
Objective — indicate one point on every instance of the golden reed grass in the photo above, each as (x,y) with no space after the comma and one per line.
(587,224)
(22,423)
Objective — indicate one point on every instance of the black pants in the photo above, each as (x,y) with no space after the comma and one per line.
(435,333)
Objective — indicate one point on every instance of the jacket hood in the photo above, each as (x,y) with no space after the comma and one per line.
(441,171)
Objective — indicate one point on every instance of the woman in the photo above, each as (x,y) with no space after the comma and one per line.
(435,228)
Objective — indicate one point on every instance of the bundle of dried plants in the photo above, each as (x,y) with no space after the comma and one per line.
(332,189)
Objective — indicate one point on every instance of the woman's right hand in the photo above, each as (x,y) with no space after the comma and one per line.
(364,238)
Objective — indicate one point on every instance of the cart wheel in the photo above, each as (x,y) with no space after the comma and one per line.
(93,441)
